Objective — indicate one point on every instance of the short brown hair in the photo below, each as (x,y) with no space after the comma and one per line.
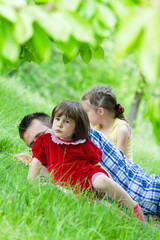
(28,119)
(74,110)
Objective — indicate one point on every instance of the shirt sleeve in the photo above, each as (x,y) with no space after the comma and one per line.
(129,129)
(38,150)
(94,154)
(112,157)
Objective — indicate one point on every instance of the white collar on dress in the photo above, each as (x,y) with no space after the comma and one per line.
(59,141)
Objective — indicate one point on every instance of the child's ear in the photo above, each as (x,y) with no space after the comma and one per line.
(101,111)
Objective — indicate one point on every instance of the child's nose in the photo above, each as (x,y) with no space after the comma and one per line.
(60,124)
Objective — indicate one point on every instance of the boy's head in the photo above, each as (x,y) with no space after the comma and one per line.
(75,111)
(32,126)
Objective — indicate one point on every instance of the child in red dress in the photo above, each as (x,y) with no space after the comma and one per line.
(73,159)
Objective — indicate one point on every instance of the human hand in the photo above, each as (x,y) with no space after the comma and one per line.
(24,157)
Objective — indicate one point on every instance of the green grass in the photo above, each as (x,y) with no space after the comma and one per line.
(145,149)
(42,211)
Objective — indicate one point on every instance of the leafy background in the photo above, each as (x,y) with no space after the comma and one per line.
(41,211)
(28,33)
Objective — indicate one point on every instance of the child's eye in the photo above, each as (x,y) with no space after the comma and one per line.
(67,121)
(57,118)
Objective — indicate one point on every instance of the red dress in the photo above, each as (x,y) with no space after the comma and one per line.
(71,162)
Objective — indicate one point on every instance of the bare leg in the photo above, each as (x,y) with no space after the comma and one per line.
(113,189)
(104,184)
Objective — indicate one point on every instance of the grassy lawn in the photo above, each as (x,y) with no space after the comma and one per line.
(43,211)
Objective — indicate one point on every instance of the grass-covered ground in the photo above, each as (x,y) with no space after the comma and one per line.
(42,211)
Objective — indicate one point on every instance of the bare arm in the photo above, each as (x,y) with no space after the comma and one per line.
(27,159)
(123,135)
(44,171)
(98,164)
(34,169)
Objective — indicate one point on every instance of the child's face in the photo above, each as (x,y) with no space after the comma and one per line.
(63,127)
(93,115)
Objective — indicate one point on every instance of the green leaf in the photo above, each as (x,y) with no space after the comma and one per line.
(41,1)
(9,48)
(60,31)
(106,16)
(154,115)
(98,53)
(131,33)
(81,28)
(70,56)
(3,66)
(13,64)
(8,12)
(88,9)
(68,5)
(120,9)
(26,55)
(149,51)
(15,3)
(41,43)
(31,52)
(85,54)
(66,59)
(37,58)
(23,29)
(54,23)
(70,48)
(100,29)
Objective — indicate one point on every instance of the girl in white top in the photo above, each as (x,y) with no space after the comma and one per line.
(107,116)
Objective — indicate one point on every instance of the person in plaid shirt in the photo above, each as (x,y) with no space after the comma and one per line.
(142,187)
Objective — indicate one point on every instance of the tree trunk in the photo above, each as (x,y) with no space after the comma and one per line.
(134,107)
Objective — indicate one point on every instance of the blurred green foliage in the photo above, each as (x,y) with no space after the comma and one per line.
(56,81)
(28,32)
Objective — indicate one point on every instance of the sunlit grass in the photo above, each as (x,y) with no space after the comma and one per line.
(43,211)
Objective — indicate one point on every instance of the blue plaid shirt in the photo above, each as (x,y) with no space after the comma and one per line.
(143,188)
